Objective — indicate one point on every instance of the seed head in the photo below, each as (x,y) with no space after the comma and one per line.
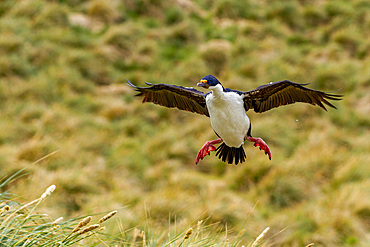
(137,233)
(4,209)
(82,223)
(54,228)
(48,192)
(188,233)
(88,229)
(199,224)
(107,216)
(144,239)
(258,239)
(58,220)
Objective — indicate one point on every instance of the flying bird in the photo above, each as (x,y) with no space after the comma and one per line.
(227,109)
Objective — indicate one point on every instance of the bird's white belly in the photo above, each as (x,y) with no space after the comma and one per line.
(228,118)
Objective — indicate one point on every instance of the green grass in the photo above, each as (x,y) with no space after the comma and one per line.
(63,66)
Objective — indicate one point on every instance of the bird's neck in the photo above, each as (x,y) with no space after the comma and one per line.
(217,90)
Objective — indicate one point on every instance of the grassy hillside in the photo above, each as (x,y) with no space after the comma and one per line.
(63,66)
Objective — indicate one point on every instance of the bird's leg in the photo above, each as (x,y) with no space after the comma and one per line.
(207,149)
(258,142)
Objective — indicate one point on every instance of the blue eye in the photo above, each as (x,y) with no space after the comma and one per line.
(208,82)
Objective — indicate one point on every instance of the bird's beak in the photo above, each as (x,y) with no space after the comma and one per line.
(203,83)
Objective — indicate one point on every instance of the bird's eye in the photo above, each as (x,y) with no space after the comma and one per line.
(208,82)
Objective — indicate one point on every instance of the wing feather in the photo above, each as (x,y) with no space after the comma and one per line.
(171,96)
(276,94)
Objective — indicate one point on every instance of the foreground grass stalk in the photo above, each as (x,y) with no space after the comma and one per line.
(47,193)
(19,209)
(33,229)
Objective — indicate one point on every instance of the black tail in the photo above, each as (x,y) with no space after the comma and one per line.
(228,154)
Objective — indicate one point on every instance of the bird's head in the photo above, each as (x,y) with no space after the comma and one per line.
(209,81)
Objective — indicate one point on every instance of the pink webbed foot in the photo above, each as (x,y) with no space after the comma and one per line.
(258,142)
(207,149)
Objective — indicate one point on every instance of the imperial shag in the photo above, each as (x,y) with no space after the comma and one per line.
(227,109)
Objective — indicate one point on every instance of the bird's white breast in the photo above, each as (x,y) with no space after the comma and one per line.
(228,117)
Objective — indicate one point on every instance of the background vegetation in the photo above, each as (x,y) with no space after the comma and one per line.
(63,65)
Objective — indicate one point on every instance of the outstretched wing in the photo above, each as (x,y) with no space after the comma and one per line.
(285,92)
(183,98)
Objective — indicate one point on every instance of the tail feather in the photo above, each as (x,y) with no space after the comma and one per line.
(231,154)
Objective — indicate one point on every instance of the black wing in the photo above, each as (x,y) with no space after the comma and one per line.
(183,98)
(285,92)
